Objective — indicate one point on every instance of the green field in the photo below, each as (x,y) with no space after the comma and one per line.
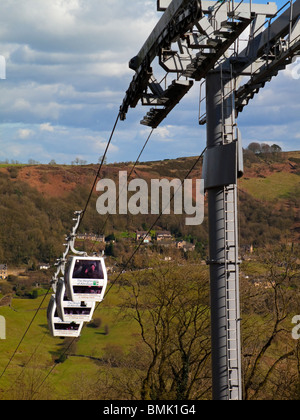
(44,349)
(278,185)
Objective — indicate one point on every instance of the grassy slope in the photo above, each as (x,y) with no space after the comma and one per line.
(275,186)
(46,348)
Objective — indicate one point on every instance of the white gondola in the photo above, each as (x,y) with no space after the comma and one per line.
(58,327)
(70,311)
(86,279)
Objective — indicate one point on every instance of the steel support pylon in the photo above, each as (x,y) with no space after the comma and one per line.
(192,39)
(223,233)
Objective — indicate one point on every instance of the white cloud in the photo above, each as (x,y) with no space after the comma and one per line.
(47,127)
(293,70)
(24,133)
(67,73)
(164,133)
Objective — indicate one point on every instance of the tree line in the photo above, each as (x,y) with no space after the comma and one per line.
(258,148)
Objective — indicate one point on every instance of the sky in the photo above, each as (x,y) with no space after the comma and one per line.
(67,73)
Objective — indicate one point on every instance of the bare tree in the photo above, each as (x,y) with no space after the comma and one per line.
(171,307)
(268,346)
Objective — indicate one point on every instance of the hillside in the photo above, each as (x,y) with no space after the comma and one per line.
(113,357)
(37,204)
(273,180)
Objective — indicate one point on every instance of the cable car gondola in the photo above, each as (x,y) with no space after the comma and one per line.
(68,310)
(57,326)
(86,279)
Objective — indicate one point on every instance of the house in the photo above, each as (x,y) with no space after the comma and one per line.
(163,235)
(142,235)
(44,266)
(186,246)
(164,238)
(180,244)
(91,237)
(189,247)
(247,248)
(3,271)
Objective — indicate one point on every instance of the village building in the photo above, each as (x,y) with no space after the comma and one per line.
(163,235)
(3,271)
(91,237)
(186,246)
(145,236)
(44,266)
